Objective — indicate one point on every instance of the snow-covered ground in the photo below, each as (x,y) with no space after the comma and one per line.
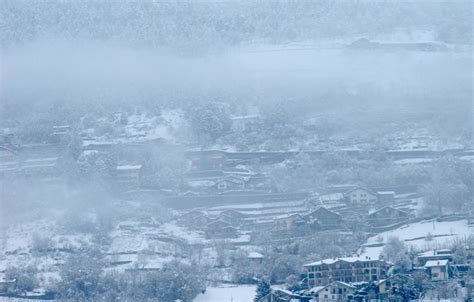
(228,293)
(411,161)
(141,128)
(415,236)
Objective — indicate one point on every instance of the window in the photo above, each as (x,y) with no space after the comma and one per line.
(311,275)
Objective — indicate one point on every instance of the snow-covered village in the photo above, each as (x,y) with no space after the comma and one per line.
(236,151)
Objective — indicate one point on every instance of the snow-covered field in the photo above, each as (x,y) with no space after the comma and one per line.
(415,236)
(228,293)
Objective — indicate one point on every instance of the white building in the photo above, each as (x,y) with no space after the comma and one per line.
(361,196)
(437,270)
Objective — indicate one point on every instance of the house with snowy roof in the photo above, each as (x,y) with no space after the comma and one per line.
(361,196)
(7,285)
(387,216)
(440,254)
(206,160)
(288,221)
(196,218)
(283,295)
(347,269)
(220,230)
(244,123)
(334,291)
(325,218)
(437,270)
(255,258)
(231,216)
(396,280)
(385,197)
(128,176)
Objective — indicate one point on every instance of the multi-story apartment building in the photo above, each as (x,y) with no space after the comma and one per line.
(349,269)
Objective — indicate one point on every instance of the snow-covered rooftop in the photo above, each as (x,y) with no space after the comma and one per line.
(255,255)
(435,263)
(244,117)
(346,259)
(440,252)
(129,167)
(385,192)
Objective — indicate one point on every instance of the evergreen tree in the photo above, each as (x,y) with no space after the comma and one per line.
(263,289)
(404,292)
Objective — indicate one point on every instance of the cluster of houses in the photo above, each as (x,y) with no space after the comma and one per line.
(221,226)
(28,165)
(366,279)
(40,162)
(297,216)
(228,222)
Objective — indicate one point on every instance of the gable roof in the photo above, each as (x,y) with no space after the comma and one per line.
(320,288)
(388,207)
(280,295)
(315,290)
(322,209)
(397,276)
(219,222)
(361,188)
